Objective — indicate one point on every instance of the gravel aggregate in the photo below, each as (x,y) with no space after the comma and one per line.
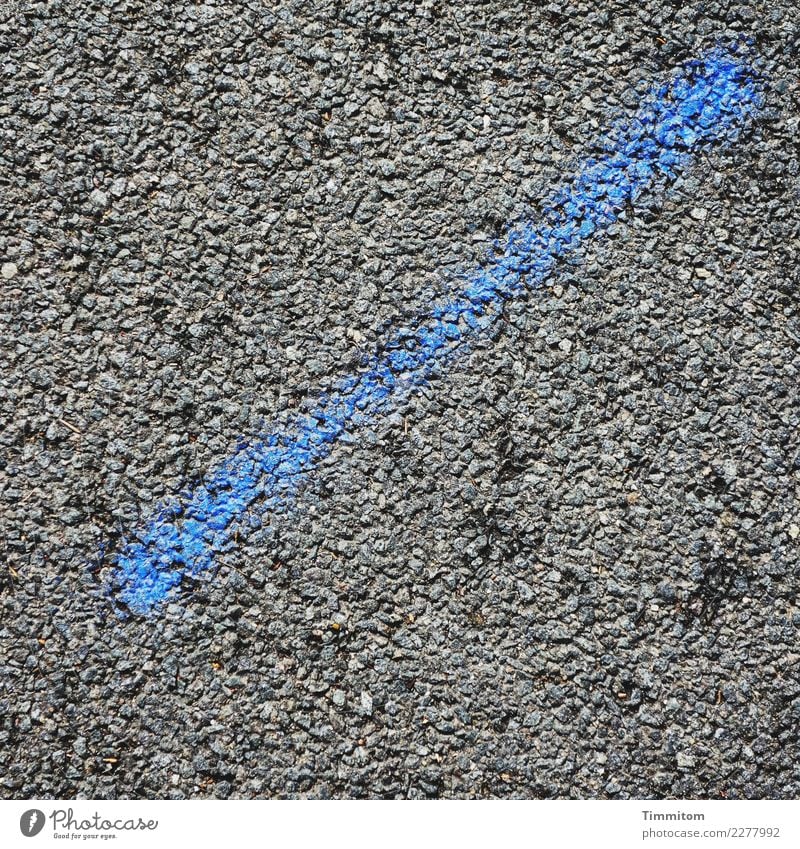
(567,568)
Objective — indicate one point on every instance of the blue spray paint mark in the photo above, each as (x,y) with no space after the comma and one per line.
(708,101)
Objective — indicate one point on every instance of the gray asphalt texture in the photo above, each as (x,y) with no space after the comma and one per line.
(568,568)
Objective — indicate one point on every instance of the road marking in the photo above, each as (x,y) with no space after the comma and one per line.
(707,101)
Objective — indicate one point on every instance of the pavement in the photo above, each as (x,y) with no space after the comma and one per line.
(565,567)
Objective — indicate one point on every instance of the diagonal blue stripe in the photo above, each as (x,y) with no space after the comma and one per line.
(707,101)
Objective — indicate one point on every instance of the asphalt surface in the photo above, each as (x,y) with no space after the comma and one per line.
(566,568)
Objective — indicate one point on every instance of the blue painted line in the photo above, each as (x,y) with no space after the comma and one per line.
(707,101)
